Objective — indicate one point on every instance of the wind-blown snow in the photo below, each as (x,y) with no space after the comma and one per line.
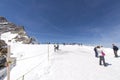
(69,63)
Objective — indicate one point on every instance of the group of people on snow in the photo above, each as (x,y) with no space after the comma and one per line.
(99,53)
(56,47)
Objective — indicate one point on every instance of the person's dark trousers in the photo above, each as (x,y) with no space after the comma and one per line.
(102,59)
(115,53)
(96,54)
(54,49)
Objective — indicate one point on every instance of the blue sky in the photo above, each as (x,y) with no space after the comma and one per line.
(84,21)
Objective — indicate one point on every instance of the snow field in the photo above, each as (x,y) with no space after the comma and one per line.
(31,60)
(69,63)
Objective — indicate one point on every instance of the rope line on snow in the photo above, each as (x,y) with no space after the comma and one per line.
(30,70)
(44,58)
(30,57)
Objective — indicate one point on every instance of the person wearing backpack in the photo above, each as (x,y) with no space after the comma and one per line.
(115,49)
(101,56)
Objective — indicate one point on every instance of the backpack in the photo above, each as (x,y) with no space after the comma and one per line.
(103,54)
(116,48)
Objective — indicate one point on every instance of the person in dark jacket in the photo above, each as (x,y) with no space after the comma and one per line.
(115,49)
(54,48)
(57,47)
(96,53)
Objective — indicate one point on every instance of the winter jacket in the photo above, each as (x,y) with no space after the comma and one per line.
(115,48)
(100,52)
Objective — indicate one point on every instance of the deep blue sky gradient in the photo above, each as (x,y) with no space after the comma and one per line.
(84,21)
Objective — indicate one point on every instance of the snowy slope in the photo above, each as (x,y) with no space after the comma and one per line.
(69,63)
(28,57)
(8,36)
(80,64)
(23,38)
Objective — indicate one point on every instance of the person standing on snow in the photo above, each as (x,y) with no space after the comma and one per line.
(54,48)
(96,53)
(115,49)
(101,56)
(57,47)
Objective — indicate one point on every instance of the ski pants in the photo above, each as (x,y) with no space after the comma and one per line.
(102,59)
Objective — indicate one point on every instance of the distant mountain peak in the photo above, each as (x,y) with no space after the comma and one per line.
(7,29)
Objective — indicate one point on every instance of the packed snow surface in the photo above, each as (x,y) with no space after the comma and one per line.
(70,62)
